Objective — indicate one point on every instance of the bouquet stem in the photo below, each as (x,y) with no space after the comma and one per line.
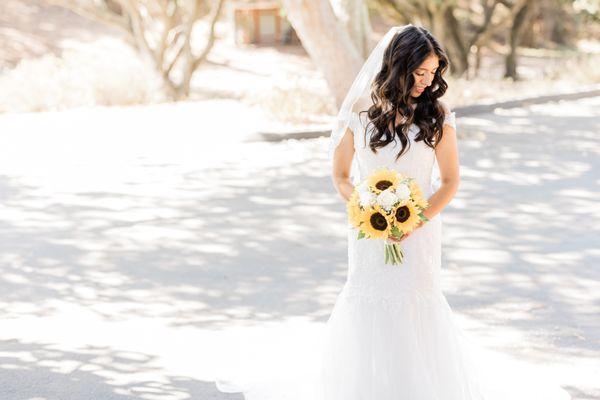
(393,253)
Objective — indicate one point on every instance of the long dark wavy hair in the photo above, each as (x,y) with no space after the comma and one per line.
(391,88)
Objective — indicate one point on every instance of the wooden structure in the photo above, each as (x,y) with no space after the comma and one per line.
(261,22)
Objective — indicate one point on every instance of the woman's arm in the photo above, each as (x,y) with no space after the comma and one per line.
(342,160)
(446,153)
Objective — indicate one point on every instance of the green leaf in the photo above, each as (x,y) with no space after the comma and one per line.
(361,235)
(423,217)
(396,232)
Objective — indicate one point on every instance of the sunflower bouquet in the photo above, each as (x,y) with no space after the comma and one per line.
(387,204)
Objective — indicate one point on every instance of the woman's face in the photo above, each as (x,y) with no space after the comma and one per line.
(424,74)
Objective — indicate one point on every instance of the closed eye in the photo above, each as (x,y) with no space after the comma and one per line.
(423,73)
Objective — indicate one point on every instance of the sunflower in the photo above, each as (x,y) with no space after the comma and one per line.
(417,195)
(382,179)
(406,216)
(354,210)
(375,223)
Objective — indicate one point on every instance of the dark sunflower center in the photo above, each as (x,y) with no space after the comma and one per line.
(382,185)
(378,222)
(402,214)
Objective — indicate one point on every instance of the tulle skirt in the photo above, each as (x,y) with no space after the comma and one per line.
(408,348)
(377,349)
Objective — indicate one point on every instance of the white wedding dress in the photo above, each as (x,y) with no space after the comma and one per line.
(391,334)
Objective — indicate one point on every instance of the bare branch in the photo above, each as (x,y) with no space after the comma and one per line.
(137,27)
(484,37)
(392,7)
(488,13)
(175,58)
(211,35)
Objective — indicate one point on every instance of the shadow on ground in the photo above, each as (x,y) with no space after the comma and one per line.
(38,370)
(261,236)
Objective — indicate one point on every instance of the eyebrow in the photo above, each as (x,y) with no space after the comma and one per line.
(425,68)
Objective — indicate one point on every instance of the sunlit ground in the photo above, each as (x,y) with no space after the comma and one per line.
(140,246)
(522,238)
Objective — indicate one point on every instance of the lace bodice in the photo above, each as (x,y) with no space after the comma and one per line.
(419,275)
(418,161)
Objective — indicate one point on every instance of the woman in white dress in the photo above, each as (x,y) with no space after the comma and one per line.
(398,338)
(391,334)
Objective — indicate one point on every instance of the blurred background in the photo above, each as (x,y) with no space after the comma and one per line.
(60,54)
(166,205)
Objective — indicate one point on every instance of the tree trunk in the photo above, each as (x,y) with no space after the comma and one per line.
(460,54)
(353,15)
(477,66)
(171,24)
(513,41)
(327,43)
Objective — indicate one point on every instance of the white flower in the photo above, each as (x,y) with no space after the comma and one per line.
(403,191)
(386,199)
(366,198)
(362,187)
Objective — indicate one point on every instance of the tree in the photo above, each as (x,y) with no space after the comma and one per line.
(428,13)
(516,28)
(328,44)
(354,17)
(464,27)
(162,30)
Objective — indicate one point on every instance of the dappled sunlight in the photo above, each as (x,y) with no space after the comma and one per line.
(41,370)
(148,247)
(157,239)
(484,254)
(177,227)
(475,121)
(199,234)
(520,236)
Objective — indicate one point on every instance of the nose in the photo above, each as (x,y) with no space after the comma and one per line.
(428,78)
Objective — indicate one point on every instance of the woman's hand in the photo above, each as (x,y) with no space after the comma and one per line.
(404,236)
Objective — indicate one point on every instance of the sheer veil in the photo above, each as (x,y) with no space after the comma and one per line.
(360,89)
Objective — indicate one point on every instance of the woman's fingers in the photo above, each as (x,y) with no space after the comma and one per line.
(404,236)
(396,240)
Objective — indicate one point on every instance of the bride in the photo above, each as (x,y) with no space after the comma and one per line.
(391,334)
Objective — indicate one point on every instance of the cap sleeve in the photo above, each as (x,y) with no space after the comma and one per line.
(349,120)
(355,123)
(450,119)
